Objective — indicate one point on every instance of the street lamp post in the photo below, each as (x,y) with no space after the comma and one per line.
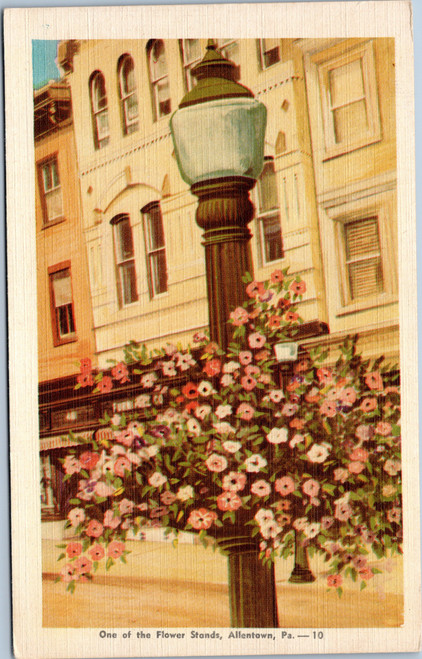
(218,134)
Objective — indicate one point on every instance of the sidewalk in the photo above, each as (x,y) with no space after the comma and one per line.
(161,586)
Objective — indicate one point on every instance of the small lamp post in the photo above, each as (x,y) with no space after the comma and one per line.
(218,134)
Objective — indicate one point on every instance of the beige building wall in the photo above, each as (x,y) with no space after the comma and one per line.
(58,243)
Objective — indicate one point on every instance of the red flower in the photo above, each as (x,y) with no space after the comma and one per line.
(120,372)
(202,518)
(94,528)
(324,375)
(228,500)
(248,383)
(105,385)
(96,552)
(277,277)
(74,549)
(334,580)
(368,404)
(291,316)
(85,380)
(261,355)
(359,454)
(191,406)
(212,367)
(121,465)
(115,549)
(190,390)
(298,287)
(180,399)
(255,288)
(88,459)
(374,381)
(274,322)
(86,365)
(83,565)
(299,424)
(366,573)
(328,408)
(284,303)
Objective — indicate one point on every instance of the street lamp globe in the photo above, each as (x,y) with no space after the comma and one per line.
(219,128)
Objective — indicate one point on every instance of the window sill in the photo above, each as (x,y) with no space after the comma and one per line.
(53,223)
(72,338)
(342,149)
(369,303)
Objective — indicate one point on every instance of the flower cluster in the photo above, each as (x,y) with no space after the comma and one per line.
(219,439)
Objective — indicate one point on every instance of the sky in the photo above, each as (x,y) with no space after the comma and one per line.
(43,66)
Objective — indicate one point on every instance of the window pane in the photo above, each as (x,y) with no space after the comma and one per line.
(99,96)
(271,51)
(158,60)
(128,282)
(267,189)
(191,50)
(47,178)
(102,125)
(350,121)
(53,201)
(131,107)
(362,238)
(158,272)
(62,288)
(346,83)
(163,97)
(273,246)
(128,76)
(231,52)
(365,278)
(124,240)
(54,173)
(155,229)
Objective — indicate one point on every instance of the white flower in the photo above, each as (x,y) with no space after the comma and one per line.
(185,493)
(76,516)
(227,380)
(232,447)
(108,467)
(278,436)
(184,361)
(143,400)
(343,499)
(170,349)
(300,523)
(205,388)
(118,449)
(137,428)
(276,395)
(168,368)
(148,451)
(231,367)
(157,479)
(115,420)
(317,453)
(223,428)
(264,515)
(149,379)
(223,410)
(312,530)
(297,439)
(194,427)
(270,529)
(255,463)
(202,411)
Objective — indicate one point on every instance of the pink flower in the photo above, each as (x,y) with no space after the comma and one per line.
(248,382)
(359,454)
(115,549)
(374,381)
(383,428)
(255,288)
(368,404)
(121,465)
(86,365)
(110,520)
(289,409)
(324,375)
(277,277)
(359,562)
(356,467)
(252,370)
(157,479)
(245,411)
(234,481)
(364,433)
(120,372)
(298,287)
(74,549)
(394,515)
(202,518)
(261,488)
(169,368)
(326,522)
(328,408)
(85,379)
(276,395)
(245,357)
(76,516)
(256,340)
(216,462)
(366,573)
(343,512)
(274,322)
(88,459)
(228,500)
(94,528)
(167,498)
(296,439)
(83,565)
(334,580)
(126,506)
(284,485)
(103,490)
(341,474)
(239,316)
(347,396)
(125,437)
(96,552)
(68,573)
(105,385)
(71,465)
(392,467)
(212,367)
(311,487)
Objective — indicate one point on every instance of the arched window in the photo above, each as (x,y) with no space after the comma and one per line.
(159,79)
(124,259)
(268,215)
(127,93)
(99,109)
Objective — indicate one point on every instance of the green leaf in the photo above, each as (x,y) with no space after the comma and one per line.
(363,585)
(75,502)
(339,591)
(61,556)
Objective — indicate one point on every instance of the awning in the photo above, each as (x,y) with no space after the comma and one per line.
(63,441)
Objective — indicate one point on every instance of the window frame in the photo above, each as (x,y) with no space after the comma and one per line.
(151,252)
(188,64)
(224,47)
(58,339)
(128,125)
(263,52)
(365,53)
(99,142)
(53,157)
(121,264)
(262,216)
(155,81)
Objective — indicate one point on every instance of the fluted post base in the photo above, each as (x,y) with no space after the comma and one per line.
(301,572)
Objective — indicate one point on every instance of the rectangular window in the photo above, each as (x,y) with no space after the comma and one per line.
(125,260)
(364,273)
(269,50)
(61,299)
(191,56)
(51,192)
(269,215)
(229,48)
(155,249)
(349,101)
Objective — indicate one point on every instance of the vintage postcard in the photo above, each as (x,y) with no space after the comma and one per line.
(212,283)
